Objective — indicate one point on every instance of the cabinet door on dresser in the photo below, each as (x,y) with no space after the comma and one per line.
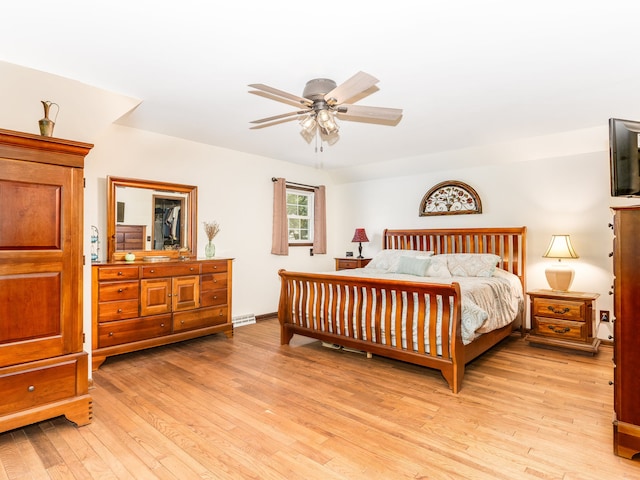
(626,267)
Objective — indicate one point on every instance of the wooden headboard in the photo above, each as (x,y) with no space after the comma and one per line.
(508,243)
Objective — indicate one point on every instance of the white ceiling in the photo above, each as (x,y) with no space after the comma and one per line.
(466,73)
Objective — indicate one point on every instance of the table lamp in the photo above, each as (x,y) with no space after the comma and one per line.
(360,236)
(560,275)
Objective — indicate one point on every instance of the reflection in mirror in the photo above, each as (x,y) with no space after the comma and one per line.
(150,218)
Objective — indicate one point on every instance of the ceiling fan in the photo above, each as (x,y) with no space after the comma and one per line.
(322,101)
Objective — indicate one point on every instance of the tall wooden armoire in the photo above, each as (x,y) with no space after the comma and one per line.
(626,350)
(43,368)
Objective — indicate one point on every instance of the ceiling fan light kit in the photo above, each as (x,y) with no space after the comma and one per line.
(322,100)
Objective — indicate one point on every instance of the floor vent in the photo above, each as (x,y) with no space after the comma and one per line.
(241,320)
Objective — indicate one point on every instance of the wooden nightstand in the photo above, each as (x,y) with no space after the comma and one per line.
(563,319)
(351,262)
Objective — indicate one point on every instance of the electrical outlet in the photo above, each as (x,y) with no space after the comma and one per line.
(604,315)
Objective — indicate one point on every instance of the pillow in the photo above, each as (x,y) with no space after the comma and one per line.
(413,265)
(472,264)
(438,267)
(388,259)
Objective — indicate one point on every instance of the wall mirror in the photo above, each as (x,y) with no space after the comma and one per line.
(150,219)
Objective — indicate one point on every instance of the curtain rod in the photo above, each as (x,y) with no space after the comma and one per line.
(274,179)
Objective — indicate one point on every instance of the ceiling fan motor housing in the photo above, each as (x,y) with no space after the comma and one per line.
(317,88)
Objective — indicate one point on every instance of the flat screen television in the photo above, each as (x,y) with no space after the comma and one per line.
(623,151)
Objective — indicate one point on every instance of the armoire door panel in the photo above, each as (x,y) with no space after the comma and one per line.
(25,311)
(35,219)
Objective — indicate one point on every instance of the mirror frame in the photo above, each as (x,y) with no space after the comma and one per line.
(192,230)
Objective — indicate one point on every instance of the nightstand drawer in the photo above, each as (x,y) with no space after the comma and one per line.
(559,328)
(564,309)
(345,264)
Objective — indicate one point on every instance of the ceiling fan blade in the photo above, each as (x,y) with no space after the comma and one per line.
(273,97)
(283,115)
(280,93)
(270,124)
(362,111)
(353,86)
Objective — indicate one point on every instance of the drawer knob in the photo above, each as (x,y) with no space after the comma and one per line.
(181,322)
(555,329)
(31,388)
(119,310)
(120,290)
(120,273)
(221,314)
(152,271)
(162,325)
(191,269)
(111,334)
(610,382)
(558,311)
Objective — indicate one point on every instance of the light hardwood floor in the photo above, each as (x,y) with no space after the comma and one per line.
(247,408)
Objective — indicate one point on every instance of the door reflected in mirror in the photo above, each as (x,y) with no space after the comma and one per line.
(150,218)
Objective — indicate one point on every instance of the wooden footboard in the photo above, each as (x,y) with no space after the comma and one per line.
(373,315)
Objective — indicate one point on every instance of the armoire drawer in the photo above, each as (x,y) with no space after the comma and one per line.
(38,386)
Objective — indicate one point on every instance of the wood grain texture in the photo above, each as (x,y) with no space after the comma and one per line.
(219,408)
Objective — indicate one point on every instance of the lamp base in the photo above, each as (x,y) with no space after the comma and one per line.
(360,250)
(559,277)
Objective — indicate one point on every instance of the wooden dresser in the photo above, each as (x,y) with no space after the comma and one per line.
(43,368)
(626,343)
(145,304)
(130,237)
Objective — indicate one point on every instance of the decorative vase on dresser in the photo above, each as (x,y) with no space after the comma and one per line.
(626,328)
(43,368)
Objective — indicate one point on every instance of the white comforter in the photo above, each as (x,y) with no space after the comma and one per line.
(488,303)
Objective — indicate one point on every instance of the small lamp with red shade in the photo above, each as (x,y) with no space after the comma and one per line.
(360,236)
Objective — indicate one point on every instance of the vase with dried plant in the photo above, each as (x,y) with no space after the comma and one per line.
(211,229)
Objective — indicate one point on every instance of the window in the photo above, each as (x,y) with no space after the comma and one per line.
(300,216)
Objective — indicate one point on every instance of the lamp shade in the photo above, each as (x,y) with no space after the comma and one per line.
(560,247)
(559,275)
(360,235)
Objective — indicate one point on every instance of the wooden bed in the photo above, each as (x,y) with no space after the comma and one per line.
(308,302)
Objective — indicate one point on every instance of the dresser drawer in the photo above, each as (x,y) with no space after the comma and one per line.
(118,273)
(559,329)
(126,331)
(113,291)
(173,270)
(38,386)
(204,317)
(564,309)
(210,298)
(108,311)
(213,281)
(214,266)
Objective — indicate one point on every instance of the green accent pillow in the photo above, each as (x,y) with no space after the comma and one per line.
(413,266)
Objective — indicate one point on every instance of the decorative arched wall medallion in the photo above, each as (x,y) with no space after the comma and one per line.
(450,198)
